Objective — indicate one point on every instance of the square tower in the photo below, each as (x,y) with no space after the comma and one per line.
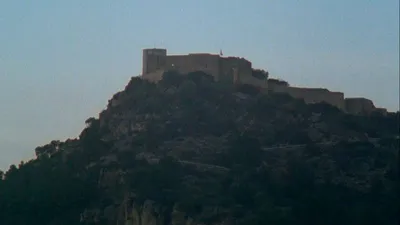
(153,60)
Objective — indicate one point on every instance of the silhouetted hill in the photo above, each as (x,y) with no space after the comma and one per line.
(189,150)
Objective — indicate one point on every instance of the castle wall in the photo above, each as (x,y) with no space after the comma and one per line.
(228,67)
(220,68)
(239,70)
(155,76)
(382,111)
(248,78)
(313,95)
(359,106)
(207,63)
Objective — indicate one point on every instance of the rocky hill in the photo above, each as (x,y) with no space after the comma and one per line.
(189,150)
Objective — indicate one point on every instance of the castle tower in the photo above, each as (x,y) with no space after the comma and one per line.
(153,59)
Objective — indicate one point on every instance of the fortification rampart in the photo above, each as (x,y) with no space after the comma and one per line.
(250,79)
(221,68)
(239,71)
(231,65)
(313,95)
(155,76)
(359,106)
(194,62)
(382,111)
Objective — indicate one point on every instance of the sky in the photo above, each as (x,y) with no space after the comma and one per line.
(61,61)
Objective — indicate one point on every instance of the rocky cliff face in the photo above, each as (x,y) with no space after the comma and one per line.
(151,214)
(130,212)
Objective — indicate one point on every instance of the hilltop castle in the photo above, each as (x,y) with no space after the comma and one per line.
(230,69)
(240,71)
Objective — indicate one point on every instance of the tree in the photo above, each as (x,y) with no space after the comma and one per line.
(260,74)
(11,171)
(48,150)
(171,78)
(90,121)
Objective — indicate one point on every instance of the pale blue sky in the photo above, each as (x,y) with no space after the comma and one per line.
(60,61)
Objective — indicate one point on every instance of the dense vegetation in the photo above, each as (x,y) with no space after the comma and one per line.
(192,118)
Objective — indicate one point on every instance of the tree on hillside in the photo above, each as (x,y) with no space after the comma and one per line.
(90,121)
(260,74)
(48,150)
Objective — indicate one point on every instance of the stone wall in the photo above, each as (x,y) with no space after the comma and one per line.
(153,60)
(239,71)
(382,111)
(230,64)
(207,63)
(221,68)
(359,106)
(154,76)
(249,79)
(312,95)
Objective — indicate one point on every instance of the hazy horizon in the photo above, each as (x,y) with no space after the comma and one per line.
(60,62)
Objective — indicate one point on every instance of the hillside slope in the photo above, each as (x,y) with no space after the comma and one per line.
(189,150)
